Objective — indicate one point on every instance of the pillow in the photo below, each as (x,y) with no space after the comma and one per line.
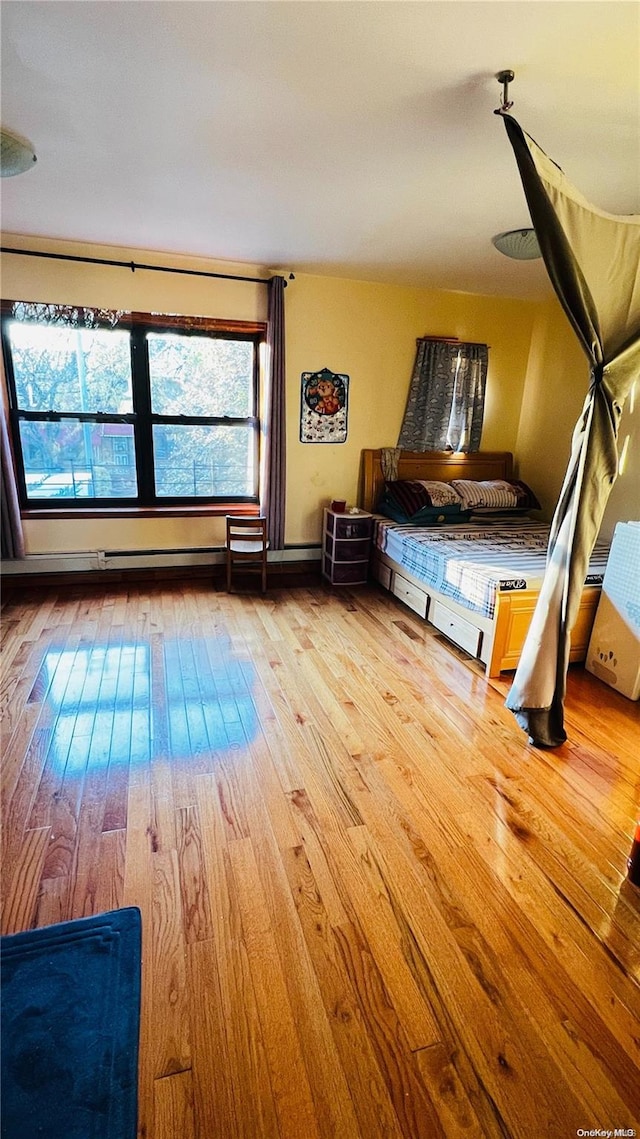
(526,498)
(496,494)
(410,495)
(424,516)
(406,496)
(441,493)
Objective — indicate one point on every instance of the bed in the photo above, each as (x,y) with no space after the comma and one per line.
(477,581)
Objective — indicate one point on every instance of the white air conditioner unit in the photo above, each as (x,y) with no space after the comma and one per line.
(614,649)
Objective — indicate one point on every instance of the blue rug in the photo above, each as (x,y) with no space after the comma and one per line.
(70,1017)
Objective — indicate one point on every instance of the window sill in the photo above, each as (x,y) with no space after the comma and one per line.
(213,510)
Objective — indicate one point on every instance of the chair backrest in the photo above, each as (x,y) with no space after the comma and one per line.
(247,546)
(247,528)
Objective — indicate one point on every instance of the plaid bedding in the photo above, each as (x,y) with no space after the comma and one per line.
(470,562)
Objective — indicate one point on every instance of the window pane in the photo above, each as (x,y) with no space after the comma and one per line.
(199,375)
(79,460)
(204,462)
(71,369)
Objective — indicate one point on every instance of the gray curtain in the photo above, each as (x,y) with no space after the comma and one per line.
(275,466)
(11,536)
(445,405)
(593,260)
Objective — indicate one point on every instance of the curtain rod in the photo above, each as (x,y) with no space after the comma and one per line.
(133,265)
(451,340)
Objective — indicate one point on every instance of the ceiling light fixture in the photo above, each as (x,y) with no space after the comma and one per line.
(16,154)
(521,244)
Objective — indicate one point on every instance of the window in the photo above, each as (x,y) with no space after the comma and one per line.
(127,409)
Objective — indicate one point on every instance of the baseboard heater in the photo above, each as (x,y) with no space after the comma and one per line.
(82,561)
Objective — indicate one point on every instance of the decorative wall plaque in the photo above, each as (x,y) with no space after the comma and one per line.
(324,402)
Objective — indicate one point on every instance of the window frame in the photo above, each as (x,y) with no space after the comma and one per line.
(142,418)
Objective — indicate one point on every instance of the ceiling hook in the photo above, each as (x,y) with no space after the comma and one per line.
(504,77)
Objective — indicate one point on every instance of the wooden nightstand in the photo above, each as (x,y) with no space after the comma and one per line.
(346,546)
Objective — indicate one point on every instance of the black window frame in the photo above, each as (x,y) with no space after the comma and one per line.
(142,418)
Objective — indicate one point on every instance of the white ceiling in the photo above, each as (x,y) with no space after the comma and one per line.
(344,138)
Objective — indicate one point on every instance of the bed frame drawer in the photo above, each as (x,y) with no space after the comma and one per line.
(461,632)
(410,594)
(382,573)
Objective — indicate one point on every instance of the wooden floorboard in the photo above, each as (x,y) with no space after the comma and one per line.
(371,910)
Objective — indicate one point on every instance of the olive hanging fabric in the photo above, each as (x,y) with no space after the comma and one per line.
(593,260)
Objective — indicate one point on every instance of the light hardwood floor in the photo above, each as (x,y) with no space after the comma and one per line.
(370,909)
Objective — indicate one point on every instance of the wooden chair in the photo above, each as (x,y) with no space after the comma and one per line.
(247,546)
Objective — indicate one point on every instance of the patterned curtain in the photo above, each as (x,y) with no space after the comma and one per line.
(275,466)
(446,397)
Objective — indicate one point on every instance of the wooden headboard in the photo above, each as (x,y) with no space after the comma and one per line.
(441,466)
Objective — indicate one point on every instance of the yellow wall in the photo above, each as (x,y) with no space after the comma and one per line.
(65,282)
(556,384)
(369,331)
(555,387)
(366,330)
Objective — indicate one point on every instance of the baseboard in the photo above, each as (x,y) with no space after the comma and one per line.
(283,575)
(77,561)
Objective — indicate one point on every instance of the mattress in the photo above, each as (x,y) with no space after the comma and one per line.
(472,561)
